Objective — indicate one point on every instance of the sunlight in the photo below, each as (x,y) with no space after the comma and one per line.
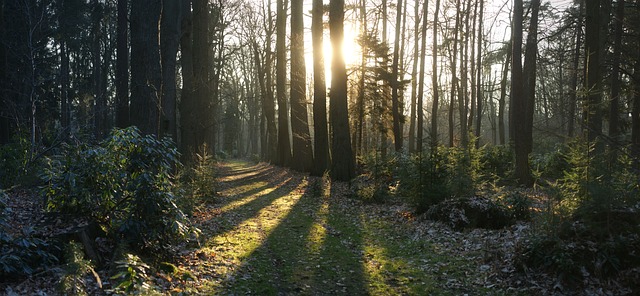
(245,232)
(350,51)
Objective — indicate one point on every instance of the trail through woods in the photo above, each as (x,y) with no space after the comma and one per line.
(274,231)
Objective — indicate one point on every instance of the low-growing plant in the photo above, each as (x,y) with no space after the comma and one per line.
(21,254)
(132,276)
(519,203)
(125,184)
(75,270)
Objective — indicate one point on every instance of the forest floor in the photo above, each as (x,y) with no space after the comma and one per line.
(273,231)
(277,232)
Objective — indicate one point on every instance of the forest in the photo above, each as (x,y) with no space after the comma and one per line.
(342,147)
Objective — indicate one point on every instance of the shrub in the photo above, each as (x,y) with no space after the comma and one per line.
(125,184)
(495,163)
(519,203)
(14,161)
(429,183)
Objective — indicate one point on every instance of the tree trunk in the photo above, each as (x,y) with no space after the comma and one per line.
(414,79)
(96,61)
(321,135)
(529,89)
(614,108)
(302,155)
(169,42)
(434,81)
(479,90)
(122,67)
(395,105)
(518,98)
(342,164)
(145,64)
(188,107)
(284,145)
(454,77)
(421,80)
(593,113)
(4,116)
(503,95)
(573,99)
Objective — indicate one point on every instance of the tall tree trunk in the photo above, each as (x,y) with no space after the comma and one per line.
(454,77)
(342,162)
(96,61)
(122,66)
(321,135)
(421,80)
(65,100)
(518,98)
(529,76)
(169,43)
(503,94)
(395,105)
(284,144)
(573,98)
(414,78)
(614,108)
(188,107)
(302,155)
(593,113)
(145,66)
(434,81)
(463,101)
(479,90)
(363,70)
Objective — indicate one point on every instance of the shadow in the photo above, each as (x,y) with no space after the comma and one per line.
(254,203)
(304,253)
(250,189)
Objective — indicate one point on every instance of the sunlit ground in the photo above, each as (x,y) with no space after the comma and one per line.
(280,233)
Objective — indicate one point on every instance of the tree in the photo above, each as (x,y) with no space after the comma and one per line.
(479,94)
(321,159)
(284,146)
(302,155)
(414,78)
(169,43)
(517,96)
(423,53)
(395,84)
(342,162)
(592,84)
(146,76)
(122,67)
(434,81)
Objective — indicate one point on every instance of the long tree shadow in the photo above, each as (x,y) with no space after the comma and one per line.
(312,250)
(238,207)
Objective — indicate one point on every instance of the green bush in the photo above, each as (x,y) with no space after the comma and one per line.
(519,203)
(14,161)
(496,163)
(125,184)
(429,183)
(20,255)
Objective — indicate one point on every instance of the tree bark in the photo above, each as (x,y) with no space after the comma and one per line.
(122,66)
(342,164)
(479,91)
(145,66)
(503,94)
(302,155)
(434,81)
(321,135)
(518,98)
(614,108)
(421,79)
(593,113)
(395,105)
(284,144)
(169,43)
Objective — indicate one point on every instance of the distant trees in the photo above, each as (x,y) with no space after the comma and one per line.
(186,70)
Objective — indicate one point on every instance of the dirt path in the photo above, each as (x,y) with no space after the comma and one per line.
(275,232)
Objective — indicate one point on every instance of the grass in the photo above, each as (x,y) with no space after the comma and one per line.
(282,233)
